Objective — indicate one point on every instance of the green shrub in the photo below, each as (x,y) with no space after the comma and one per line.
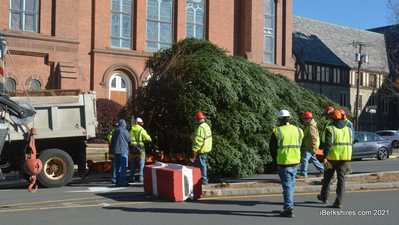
(240,100)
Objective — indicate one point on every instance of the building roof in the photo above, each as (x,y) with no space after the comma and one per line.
(391,34)
(325,43)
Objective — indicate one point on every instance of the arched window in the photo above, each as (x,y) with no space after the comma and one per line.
(120,88)
(195,17)
(8,85)
(269,31)
(33,85)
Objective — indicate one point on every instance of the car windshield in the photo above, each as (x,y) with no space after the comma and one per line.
(386,133)
(379,138)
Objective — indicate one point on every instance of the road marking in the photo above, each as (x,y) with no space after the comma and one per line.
(98,190)
(49,201)
(103,204)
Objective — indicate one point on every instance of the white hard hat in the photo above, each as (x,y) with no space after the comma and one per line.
(283,113)
(139,120)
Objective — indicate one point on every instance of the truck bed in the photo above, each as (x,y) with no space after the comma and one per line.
(58,116)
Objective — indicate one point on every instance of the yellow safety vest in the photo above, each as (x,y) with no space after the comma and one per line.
(202,142)
(289,141)
(341,148)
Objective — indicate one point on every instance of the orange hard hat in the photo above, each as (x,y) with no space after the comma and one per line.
(337,115)
(329,110)
(199,116)
(307,115)
(343,113)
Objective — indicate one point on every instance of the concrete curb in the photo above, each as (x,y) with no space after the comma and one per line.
(263,188)
(207,193)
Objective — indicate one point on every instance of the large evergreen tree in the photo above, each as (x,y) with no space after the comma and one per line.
(240,100)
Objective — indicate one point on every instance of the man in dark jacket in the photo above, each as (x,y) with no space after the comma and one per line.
(338,153)
(120,149)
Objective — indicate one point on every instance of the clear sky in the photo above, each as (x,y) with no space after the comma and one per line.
(361,14)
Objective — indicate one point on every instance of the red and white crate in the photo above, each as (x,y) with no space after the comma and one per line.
(173,182)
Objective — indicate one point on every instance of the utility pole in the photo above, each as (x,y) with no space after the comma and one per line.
(360,59)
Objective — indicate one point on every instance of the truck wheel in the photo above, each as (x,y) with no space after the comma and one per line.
(57,168)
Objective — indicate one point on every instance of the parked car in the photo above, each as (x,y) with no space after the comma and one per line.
(368,144)
(391,135)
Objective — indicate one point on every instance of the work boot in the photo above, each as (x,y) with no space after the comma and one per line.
(336,205)
(287,213)
(323,200)
(141,179)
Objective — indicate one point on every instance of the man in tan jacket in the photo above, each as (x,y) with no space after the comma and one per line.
(310,144)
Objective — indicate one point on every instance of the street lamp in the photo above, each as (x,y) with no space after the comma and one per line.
(360,59)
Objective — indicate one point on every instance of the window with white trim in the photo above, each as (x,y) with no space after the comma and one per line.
(159,24)
(195,19)
(309,72)
(24,15)
(318,73)
(269,31)
(121,24)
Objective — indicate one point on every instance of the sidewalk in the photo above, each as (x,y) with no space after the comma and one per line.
(270,183)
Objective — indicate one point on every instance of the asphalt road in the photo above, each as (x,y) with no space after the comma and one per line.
(104,206)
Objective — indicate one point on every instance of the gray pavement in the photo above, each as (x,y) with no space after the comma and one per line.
(358,167)
(103,206)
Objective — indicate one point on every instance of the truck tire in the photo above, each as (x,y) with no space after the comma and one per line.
(57,168)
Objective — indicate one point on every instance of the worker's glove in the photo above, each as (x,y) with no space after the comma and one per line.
(327,164)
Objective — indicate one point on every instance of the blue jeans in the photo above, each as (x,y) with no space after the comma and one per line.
(140,160)
(309,157)
(287,176)
(113,171)
(202,163)
(120,165)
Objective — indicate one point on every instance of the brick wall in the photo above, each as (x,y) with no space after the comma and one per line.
(72,48)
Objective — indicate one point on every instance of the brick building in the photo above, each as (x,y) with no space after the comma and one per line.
(103,45)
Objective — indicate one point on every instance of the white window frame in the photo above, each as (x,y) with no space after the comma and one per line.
(120,15)
(23,14)
(318,73)
(195,24)
(310,72)
(119,76)
(269,32)
(158,21)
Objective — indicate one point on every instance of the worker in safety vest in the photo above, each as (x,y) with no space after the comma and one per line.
(202,145)
(139,137)
(310,144)
(338,152)
(285,148)
(328,111)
